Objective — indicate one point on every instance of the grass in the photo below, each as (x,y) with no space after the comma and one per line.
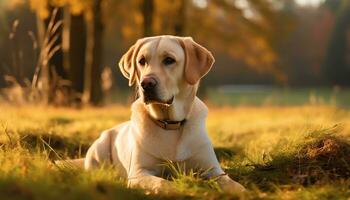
(289,152)
(258,95)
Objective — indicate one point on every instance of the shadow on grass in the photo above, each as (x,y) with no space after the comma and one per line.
(15,189)
(224,153)
(60,145)
(76,186)
(60,121)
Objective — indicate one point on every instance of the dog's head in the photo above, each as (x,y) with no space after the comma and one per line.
(162,65)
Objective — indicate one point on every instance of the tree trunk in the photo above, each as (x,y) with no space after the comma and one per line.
(147,12)
(337,64)
(180,21)
(77,49)
(92,83)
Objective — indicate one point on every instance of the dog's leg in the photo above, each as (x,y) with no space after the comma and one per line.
(205,160)
(151,183)
(100,151)
(230,186)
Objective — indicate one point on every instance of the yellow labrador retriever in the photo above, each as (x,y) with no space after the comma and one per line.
(167,121)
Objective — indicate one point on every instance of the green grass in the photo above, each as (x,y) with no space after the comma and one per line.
(289,152)
(280,96)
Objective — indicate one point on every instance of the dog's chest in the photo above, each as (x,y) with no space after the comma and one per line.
(171,145)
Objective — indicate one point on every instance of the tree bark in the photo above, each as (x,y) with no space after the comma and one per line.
(77,49)
(147,12)
(180,21)
(92,84)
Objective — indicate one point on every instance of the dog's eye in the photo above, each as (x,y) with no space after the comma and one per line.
(142,61)
(168,61)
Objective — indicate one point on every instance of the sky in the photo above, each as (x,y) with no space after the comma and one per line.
(309,2)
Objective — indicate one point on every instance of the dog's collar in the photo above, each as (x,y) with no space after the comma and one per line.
(167,124)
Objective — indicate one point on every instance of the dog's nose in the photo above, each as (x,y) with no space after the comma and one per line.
(148,83)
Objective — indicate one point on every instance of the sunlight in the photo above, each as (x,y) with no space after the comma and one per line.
(245,7)
(200,3)
(309,2)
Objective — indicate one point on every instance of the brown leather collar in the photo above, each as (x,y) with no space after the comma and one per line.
(168,125)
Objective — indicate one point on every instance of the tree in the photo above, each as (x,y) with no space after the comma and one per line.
(83,53)
(179,26)
(302,53)
(76,53)
(93,70)
(247,30)
(337,64)
(147,8)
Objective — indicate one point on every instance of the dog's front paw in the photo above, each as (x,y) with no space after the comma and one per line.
(163,186)
(152,184)
(230,186)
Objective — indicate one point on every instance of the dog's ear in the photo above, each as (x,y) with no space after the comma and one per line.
(127,63)
(198,60)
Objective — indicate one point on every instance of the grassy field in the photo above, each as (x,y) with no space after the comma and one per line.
(265,95)
(289,152)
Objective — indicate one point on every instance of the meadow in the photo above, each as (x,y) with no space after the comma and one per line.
(286,150)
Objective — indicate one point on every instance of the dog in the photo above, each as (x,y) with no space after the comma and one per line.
(168,119)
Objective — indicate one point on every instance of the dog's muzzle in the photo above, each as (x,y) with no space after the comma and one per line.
(149,90)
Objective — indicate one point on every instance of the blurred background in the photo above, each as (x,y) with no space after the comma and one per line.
(65,52)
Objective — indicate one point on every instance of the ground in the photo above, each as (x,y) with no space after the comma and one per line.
(276,152)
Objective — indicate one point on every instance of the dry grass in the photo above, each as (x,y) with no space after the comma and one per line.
(295,152)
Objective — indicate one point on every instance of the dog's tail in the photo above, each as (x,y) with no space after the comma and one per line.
(77,163)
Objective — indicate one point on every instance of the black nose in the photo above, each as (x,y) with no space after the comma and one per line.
(148,83)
